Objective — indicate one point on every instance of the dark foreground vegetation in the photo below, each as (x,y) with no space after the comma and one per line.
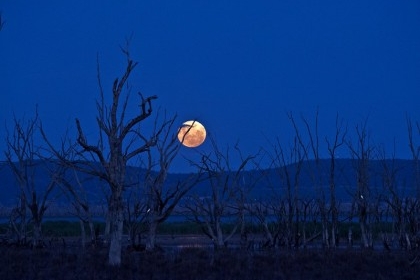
(196,263)
(62,257)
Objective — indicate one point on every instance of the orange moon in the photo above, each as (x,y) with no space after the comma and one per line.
(192,134)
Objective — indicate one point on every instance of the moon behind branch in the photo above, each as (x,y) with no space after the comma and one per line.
(192,134)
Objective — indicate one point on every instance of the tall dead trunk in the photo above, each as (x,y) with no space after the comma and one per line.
(333,203)
(37,232)
(91,231)
(338,140)
(151,238)
(117,219)
(219,241)
(362,154)
(82,233)
(107,229)
(260,211)
(120,140)
(18,220)
(363,229)
(268,234)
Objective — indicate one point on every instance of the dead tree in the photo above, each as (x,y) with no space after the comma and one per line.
(393,196)
(19,221)
(161,196)
(301,150)
(25,160)
(120,140)
(136,215)
(316,172)
(362,153)
(310,212)
(225,184)
(403,204)
(262,210)
(288,167)
(71,183)
(328,210)
(337,141)
(72,186)
(247,184)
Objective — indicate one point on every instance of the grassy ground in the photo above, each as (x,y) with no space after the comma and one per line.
(194,263)
(181,260)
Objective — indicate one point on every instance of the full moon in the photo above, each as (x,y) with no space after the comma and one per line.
(191,134)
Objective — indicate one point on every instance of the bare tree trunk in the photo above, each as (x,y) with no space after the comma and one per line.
(339,140)
(151,238)
(364,231)
(362,154)
(242,222)
(117,220)
(38,210)
(333,203)
(91,230)
(350,238)
(219,242)
(261,210)
(18,220)
(37,232)
(334,226)
(268,234)
(324,223)
(82,233)
(299,154)
(107,225)
(316,174)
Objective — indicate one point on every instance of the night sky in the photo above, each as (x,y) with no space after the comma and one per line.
(238,67)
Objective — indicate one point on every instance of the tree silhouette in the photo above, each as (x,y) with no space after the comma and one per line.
(119,141)
(25,160)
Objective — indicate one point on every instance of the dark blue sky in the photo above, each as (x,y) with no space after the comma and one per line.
(236,66)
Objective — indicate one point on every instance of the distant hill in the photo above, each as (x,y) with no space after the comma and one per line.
(345,176)
(269,181)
